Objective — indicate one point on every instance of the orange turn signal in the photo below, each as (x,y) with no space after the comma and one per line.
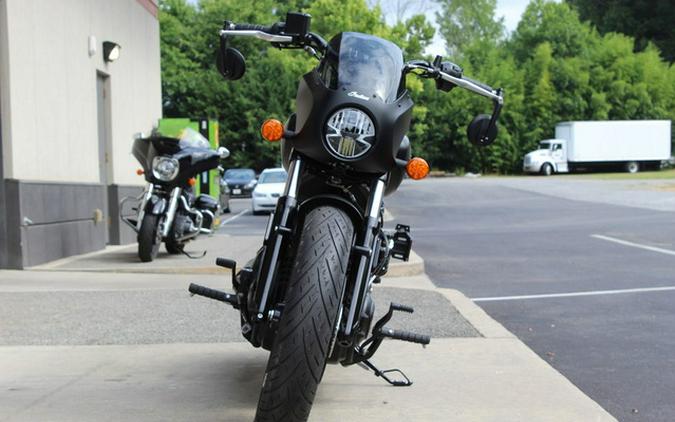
(417,168)
(272,130)
(140,172)
(192,181)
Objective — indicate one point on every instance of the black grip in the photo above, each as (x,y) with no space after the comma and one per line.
(196,289)
(402,308)
(226,263)
(406,336)
(480,84)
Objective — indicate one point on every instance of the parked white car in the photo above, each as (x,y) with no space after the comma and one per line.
(268,190)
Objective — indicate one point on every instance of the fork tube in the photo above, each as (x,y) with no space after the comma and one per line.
(271,261)
(365,259)
(171,211)
(141,210)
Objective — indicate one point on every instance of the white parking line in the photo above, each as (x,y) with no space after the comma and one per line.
(575,294)
(234,217)
(634,245)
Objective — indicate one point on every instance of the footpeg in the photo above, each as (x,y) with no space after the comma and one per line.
(231,264)
(368,348)
(196,289)
(405,336)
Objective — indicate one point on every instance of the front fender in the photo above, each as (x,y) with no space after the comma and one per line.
(335,200)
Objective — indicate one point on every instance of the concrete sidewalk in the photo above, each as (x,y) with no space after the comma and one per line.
(124,259)
(474,369)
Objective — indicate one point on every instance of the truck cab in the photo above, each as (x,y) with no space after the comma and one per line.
(549,158)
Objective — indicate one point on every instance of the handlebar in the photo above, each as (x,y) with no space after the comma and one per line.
(246,27)
(431,71)
(276,34)
(474,86)
(478,84)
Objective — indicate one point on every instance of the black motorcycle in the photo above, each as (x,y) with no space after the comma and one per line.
(306,296)
(168,210)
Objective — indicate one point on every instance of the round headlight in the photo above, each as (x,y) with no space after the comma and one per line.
(165,168)
(350,133)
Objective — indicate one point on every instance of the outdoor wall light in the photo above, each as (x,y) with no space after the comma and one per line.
(111,51)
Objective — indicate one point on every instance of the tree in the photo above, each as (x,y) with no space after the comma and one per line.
(646,20)
(464,22)
(553,68)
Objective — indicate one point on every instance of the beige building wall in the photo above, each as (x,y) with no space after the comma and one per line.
(49,87)
(59,184)
(4,88)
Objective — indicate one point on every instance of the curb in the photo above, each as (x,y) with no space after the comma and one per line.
(413,267)
(492,331)
(475,315)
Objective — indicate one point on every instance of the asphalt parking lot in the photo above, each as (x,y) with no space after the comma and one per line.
(498,239)
(241,221)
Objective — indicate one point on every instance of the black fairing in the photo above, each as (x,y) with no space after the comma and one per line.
(390,112)
(192,160)
(396,175)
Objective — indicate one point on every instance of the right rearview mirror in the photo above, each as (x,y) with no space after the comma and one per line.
(231,63)
(223,152)
(479,131)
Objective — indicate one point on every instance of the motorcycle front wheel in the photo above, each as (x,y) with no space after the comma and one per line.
(149,238)
(300,350)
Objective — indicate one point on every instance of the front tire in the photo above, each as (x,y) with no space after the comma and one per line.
(300,350)
(547,169)
(149,238)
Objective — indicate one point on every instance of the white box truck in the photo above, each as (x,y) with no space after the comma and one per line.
(629,144)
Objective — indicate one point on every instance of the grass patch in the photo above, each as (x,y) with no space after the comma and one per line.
(646,175)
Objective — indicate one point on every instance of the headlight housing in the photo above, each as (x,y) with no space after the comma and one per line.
(350,133)
(165,168)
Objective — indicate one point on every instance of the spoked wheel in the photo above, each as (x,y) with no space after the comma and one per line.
(149,238)
(300,350)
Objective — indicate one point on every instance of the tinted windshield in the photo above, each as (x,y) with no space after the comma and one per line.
(367,66)
(273,177)
(190,138)
(245,174)
(544,145)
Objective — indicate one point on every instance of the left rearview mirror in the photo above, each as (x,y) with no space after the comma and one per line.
(480,132)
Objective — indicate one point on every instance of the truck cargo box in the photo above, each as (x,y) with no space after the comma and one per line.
(615,141)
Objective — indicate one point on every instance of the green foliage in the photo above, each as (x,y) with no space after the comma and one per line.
(553,68)
(646,20)
(464,22)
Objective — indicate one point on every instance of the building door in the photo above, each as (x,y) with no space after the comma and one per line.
(104,143)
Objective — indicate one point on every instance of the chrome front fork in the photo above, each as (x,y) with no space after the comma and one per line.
(141,210)
(171,211)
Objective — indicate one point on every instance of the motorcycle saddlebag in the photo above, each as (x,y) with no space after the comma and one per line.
(206,202)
